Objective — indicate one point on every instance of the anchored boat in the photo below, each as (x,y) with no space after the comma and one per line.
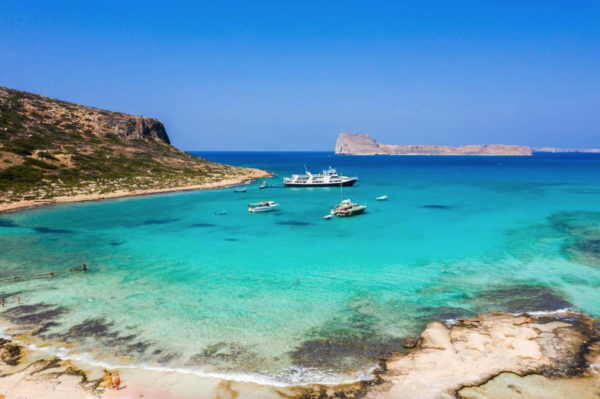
(348,208)
(240,190)
(265,185)
(264,206)
(329,178)
(382,198)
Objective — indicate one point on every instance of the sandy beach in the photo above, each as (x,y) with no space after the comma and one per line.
(488,356)
(252,174)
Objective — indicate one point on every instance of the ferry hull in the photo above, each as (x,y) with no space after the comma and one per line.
(347,183)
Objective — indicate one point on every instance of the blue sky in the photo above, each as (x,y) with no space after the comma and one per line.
(283,75)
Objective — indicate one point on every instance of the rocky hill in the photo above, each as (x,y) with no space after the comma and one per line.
(363,144)
(53,149)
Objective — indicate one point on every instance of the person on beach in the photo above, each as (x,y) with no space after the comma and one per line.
(19,299)
(528,321)
(2,302)
(109,382)
(117,381)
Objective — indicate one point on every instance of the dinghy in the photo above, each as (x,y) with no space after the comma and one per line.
(382,198)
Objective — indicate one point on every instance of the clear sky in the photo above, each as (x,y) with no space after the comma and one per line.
(292,75)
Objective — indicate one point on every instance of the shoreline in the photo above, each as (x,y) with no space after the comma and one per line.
(560,348)
(10,207)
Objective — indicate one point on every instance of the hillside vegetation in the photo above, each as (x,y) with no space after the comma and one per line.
(51,148)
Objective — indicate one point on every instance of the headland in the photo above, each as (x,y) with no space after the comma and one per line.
(53,151)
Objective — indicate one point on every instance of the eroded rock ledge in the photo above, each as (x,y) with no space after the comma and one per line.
(475,350)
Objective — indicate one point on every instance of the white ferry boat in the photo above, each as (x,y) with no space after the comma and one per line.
(329,178)
(264,206)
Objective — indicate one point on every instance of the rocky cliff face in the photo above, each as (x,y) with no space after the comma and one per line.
(363,144)
(50,148)
(73,117)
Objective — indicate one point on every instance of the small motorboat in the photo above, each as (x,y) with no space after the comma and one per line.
(265,185)
(382,198)
(221,213)
(327,217)
(240,190)
(264,206)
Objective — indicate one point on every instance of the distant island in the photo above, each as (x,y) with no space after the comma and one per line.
(55,151)
(364,144)
(557,150)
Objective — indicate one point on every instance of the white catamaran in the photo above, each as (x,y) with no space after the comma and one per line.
(329,178)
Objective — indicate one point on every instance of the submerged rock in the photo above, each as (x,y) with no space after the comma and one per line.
(410,342)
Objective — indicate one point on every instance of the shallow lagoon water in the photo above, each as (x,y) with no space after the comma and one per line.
(174,286)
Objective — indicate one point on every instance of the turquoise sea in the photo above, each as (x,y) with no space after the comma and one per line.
(287,297)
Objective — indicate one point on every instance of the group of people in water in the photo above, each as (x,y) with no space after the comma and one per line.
(113,382)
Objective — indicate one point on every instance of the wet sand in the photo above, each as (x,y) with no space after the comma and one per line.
(489,356)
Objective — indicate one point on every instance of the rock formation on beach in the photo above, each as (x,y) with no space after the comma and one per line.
(53,149)
(363,144)
(450,362)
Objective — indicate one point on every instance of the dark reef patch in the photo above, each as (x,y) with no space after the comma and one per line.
(203,225)
(521,299)
(165,357)
(231,239)
(44,328)
(48,230)
(581,235)
(158,221)
(91,328)
(586,251)
(10,353)
(34,315)
(349,341)
(7,223)
(295,223)
(100,330)
(229,357)
(436,206)
(139,347)
(116,243)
